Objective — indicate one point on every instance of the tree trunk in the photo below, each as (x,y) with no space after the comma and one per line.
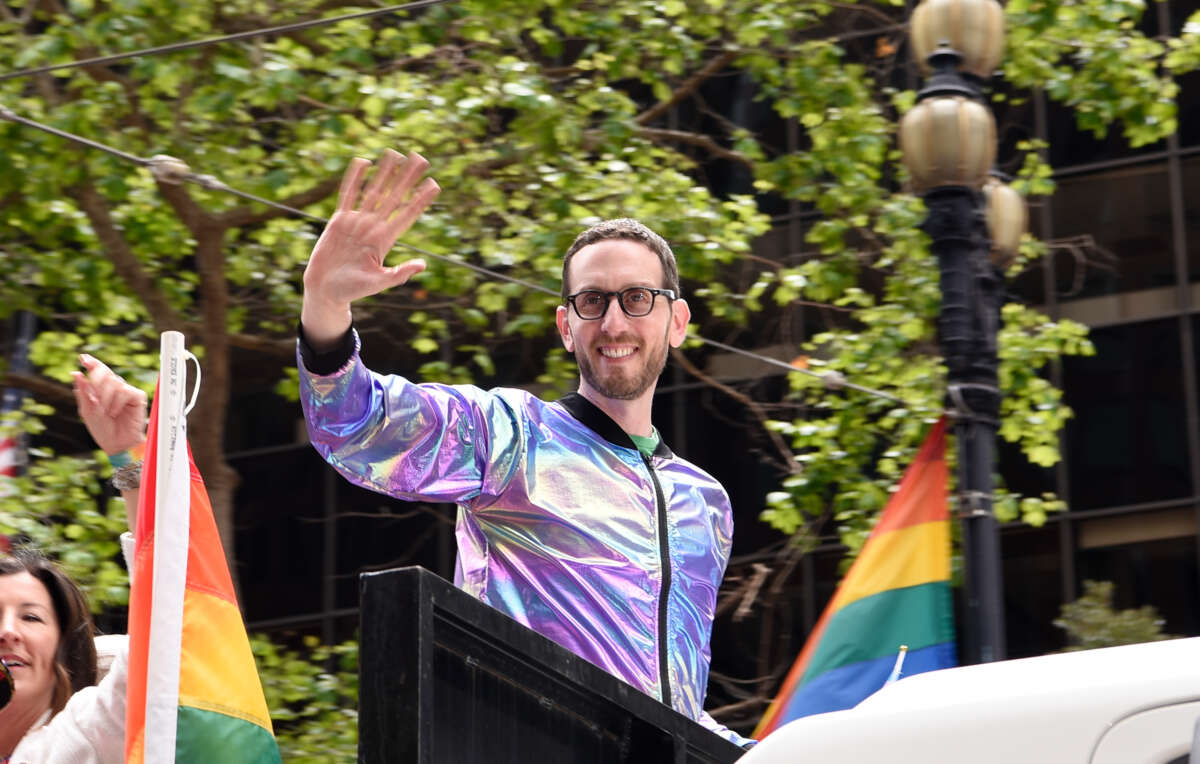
(207,424)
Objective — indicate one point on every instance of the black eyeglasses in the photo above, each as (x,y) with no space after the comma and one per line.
(591,304)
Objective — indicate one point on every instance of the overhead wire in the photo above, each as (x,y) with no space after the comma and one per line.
(309,24)
(12,116)
(174,170)
(248,34)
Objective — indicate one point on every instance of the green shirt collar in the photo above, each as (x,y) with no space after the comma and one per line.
(646,444)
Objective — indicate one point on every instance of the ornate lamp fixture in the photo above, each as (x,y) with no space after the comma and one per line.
(1007,219)
(948,140)
(974,28)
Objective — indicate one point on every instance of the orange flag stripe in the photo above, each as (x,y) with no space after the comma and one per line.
(921,496)
(140,595)
(206,571)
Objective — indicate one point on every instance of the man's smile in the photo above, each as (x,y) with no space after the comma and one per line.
(617,351)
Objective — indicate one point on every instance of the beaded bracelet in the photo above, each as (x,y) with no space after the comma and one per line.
(127,468)
(127,477)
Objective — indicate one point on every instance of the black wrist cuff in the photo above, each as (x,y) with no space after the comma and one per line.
(329,361)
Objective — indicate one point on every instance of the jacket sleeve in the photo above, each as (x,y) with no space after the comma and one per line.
(721,730)
(418,442)
(724,524)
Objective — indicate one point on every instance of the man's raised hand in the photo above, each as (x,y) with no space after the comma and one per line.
(347,263)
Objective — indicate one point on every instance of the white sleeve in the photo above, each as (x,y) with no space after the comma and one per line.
(128,550)
(90,730)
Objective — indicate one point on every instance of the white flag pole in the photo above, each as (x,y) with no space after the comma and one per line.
(172,506)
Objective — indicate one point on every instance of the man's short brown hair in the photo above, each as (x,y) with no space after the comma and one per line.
(629,230)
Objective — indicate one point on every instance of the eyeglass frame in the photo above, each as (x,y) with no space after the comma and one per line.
(654,294)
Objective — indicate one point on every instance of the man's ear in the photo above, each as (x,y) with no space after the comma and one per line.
(680,315)
(564,328)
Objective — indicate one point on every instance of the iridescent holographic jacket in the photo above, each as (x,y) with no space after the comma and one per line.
(562,523)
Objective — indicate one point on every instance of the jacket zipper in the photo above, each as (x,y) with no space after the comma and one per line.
(664,551)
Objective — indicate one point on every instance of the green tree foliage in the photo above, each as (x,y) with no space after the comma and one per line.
(1091,621)
(541,116)
(313,696)
(56,506)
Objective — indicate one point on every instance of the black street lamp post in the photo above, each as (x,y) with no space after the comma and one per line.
(967,328)
(948,142)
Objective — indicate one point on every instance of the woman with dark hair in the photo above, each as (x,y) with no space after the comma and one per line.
(46,640)
(75,658)
(57,712)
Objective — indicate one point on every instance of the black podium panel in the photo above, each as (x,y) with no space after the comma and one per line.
(445,679)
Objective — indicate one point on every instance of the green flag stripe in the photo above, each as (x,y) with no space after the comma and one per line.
(208,736)
(876,626)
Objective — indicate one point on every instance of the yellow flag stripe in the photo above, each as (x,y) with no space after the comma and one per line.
(909,556)
(136,746)
(217,670)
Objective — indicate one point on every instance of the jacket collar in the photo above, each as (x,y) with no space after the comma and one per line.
(591,416)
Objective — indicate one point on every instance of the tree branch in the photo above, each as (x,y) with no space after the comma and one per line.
(213,289)
(267,346)
(859,8)
(488,166)
(455,53)
(688,87)
(244,216)
(105,74)
(786,455)
(326,106)
(696,139)
(186,90)
(190,213)
(207,434)
(283,348)
(42,388)
(124,261)
(742,705)
(726,123)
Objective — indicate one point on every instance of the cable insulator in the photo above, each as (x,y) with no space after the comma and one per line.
(210,182)
(168,169)
(833,380)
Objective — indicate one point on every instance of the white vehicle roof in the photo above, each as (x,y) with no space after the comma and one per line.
(1136,703)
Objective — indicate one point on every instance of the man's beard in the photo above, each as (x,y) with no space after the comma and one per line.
(622,387)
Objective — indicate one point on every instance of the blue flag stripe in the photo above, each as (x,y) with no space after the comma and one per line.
(846,686)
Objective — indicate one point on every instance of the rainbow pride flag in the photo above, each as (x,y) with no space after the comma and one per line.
(194,694)
(897,593)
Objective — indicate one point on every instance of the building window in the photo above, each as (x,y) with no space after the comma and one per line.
(1032,590)
(1114,230)
(1127,443)
(1159,573)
